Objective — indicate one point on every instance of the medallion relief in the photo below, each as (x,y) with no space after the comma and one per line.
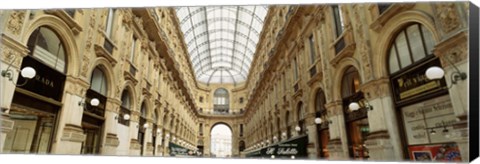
(448,16)
(15,21)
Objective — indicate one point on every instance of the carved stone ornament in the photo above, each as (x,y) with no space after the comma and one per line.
(448,16)
(15,21)
(9,55)
(85,61)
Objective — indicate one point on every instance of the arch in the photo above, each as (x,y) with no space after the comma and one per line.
(64,34)
(148,106)
(130,87)
(144,110)
(221,100)
(105,66)
(390,29)
(99,81)
(220,122)
(241,145)
(317,86)
(221,139)
(319,100)
(353,74)
(45,44)
(344,64)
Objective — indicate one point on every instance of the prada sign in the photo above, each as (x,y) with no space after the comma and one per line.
(47,82)
(413,82)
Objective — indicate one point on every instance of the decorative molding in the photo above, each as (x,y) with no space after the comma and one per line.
(455,48)
(112,140)
(73,133)
(15,21)
(134,145)
(383,18)
(448,16)
(102,52)
(72,24)
(376,88)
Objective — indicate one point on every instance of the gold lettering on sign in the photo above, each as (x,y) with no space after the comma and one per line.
(419,89)
(44,81)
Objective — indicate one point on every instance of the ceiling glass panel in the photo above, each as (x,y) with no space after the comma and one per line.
(221,40)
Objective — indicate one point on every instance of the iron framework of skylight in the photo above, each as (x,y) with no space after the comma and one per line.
(221,40)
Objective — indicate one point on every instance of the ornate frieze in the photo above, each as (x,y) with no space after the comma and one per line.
(448,16)
(15,21)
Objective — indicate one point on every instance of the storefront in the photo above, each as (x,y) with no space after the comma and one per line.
(294,148)
(37,102)
(322,125)
(94,116)
(356,121)
(424,109)
(180,151)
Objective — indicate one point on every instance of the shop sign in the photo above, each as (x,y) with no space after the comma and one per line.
(420,118)
(47,82)
(414,82)
(296,147)
(177,150)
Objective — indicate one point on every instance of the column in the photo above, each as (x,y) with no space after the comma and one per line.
(134,126)
(312,135)
(337,145)
(69,135)
(453,53)
(12,53)
(111,115)
(383,141)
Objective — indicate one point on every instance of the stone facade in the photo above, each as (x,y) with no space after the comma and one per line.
(299,54)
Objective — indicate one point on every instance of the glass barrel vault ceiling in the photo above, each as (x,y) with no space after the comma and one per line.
(221,40)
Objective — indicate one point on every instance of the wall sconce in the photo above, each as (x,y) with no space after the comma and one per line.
(435,72)
(284,134)
(167,136)
(319,120)
(273,156)
(297,128)
(145,125)
(26,72)
(93,102)
(293,157)
(354,106)
(159,131)
(275,139)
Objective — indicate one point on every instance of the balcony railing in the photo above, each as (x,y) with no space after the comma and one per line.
(224,112)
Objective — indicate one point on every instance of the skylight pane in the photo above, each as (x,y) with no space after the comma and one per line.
(225,31)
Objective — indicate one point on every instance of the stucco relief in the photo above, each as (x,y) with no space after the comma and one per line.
(448,16)
(363,48)
(15,21)
(85,61)
(11,56)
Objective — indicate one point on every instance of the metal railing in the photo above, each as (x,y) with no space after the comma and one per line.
(225,111)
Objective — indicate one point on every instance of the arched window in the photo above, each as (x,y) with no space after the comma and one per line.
(142,127)
(350,82)
(126,99)
(301,117)
(98,82)
(221,100)
(411,45)
(241,146)
(287,121)
(320,101)
(48,48)
(143,111)
(125,108)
